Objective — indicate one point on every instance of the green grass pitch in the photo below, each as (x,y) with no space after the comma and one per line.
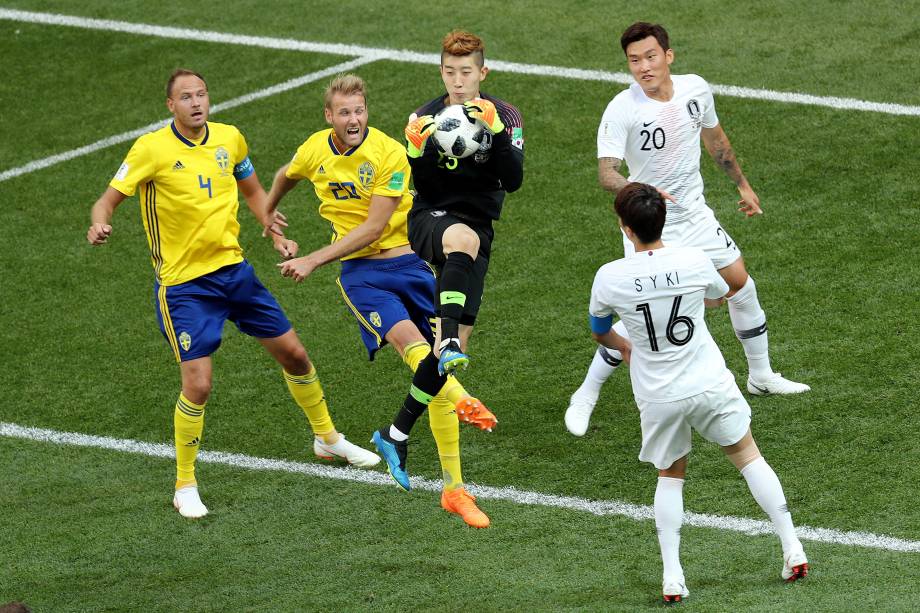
(835,259)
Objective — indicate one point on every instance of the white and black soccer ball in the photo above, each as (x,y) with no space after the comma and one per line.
(457,135)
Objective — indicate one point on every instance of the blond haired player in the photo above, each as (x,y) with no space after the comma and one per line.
(361,178)
(188,174)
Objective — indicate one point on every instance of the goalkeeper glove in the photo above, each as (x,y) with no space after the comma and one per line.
(484,111)
(417,132)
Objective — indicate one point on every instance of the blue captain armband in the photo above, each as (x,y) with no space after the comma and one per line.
(601,325)
(243,169)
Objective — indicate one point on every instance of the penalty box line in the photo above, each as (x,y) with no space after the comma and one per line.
(510,494)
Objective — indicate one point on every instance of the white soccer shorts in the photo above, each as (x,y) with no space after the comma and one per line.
(720,414)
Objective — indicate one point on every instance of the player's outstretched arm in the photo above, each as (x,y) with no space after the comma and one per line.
(720,149)
(273,221)
(101,216)
(281,185)
(378,215)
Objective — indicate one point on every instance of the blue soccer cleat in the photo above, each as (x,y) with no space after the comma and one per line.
(451,359)
(394,452)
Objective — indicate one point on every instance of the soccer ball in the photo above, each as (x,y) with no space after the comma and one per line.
(457,135)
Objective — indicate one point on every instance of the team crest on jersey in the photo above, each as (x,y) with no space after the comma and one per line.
(185,340)
(223,159)
(375,319)
(696,116)
(366,174)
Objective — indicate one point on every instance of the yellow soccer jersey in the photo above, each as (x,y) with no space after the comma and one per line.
(188,198)
(345,181)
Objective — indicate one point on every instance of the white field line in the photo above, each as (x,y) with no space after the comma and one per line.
(433,58)
(595,507)
(223,106)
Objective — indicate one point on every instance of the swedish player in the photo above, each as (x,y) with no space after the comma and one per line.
(457,201)
(361,178)
(656,126)
(188,174)
(678,375)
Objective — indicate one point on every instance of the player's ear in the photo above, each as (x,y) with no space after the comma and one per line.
(327,112)
(669,56)
(483,72)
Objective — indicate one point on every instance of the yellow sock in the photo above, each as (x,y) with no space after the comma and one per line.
(188,424)
(308,393)
(442,417)
(414,353)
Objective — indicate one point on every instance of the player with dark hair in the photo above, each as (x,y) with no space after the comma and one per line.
(361,178)
(656,126)
(450,224)
(679,378)
(188,173)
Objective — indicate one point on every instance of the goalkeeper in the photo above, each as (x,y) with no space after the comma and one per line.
(361,178)
(450,224)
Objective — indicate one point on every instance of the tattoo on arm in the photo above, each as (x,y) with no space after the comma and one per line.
(724,156)
(608,170)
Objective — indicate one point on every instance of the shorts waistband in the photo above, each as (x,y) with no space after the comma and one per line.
(397,263)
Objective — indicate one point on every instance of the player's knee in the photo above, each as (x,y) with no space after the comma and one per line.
(461,238)
(677,470)
(743,452)
(295,360)
(197,388)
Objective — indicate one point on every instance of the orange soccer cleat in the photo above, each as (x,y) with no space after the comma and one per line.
(471,411)
(462,503)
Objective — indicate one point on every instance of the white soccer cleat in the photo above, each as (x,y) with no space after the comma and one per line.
(345,450)
(188,503)
(795,566)
(674,590)
(578,415)
(776,384)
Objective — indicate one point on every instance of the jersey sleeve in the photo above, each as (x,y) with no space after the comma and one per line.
(710,119)
(138,167)
(392,178)
(716,287)
(243,168)
(507,157)
(613,131)
(600,305)
(299,167)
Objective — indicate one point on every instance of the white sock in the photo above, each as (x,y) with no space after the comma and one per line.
(397,434)
(750,325)
(669,515)
(768,492)
(604,362)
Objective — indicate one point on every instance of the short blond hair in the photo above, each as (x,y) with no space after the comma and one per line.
(346,85)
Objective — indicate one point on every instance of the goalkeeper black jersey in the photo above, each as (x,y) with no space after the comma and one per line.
(474,187)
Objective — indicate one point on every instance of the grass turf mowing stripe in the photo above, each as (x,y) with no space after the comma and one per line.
(434,58)
(595,507)
(223,106)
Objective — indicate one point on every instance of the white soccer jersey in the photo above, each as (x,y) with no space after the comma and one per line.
(660,141)
(659,297)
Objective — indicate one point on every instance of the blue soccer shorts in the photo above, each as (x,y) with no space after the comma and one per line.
(192,314)
(382,293)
